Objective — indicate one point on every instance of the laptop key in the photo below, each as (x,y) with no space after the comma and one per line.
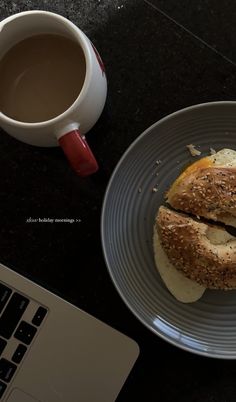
(5,293)
(39,316)
(2,388)
(7,369)
(2,345)
(25,332)
(19,353)
(12,314)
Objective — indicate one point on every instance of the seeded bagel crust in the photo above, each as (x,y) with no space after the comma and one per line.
(204,253)
(207,188)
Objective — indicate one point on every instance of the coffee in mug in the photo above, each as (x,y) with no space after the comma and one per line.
(34,79)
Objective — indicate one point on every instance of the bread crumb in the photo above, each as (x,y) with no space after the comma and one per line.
(158,162)
(212,151)
(154,189)
(193,151)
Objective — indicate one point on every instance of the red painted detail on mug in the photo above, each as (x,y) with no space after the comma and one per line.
(78,153)
(99,59)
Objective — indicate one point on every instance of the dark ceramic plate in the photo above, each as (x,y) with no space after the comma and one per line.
(135,191)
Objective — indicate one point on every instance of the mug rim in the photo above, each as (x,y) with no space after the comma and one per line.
(88,72)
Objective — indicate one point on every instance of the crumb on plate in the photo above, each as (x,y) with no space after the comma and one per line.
(212,151)
(193,151)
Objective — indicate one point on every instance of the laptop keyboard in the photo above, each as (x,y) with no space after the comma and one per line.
(20,319)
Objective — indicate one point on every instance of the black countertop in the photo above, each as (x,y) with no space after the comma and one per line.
(160,56)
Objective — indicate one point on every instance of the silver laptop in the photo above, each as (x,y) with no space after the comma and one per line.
(51,351)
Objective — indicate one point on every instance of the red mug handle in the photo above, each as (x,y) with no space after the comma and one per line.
(78,153)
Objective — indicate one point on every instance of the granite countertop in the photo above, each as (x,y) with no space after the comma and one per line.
(160,56)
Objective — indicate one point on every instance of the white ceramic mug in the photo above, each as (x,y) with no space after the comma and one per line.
(67,129)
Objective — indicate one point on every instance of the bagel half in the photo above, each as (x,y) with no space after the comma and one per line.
(207,188)
(204,253)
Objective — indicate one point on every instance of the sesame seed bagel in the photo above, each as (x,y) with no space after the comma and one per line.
(202,252)
(207,188)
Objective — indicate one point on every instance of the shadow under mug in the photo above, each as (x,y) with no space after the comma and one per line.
(68,129)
